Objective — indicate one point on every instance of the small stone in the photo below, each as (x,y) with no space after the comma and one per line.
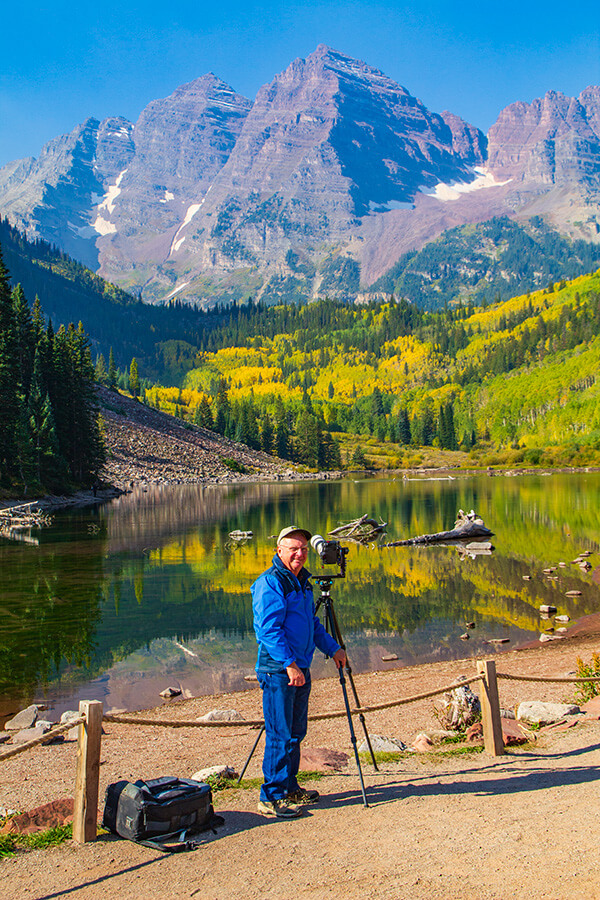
(573,594)
(535,712)
(548,609)
(592,708)
(562,630)
(470,625)
(170,692)
(464,637)
(50,815)
(498,641)
(221,715)
(474,732)
(381,744)
(526,577)
(422,743)
(512,733)
(214,772)
(322,760)
(251,678)
(544,638)
(390,657)
(562,619)
(24,719)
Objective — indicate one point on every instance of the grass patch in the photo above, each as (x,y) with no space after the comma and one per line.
(218,783)
(41,840)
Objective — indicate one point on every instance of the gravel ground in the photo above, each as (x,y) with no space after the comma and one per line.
(523,825)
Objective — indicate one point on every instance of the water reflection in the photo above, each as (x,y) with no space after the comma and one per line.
(150,590)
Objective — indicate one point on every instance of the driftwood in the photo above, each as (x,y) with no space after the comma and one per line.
(468,527)
(360,531)
(16,522)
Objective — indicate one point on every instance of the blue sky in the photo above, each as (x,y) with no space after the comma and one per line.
(62,62)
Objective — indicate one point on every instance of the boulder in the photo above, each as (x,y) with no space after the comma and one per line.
(221,715)
(214,772)
(29,734)
(381,744)
(73,733)
(322,760)
(170,692)
(57,812)
(534,712)
(24,719)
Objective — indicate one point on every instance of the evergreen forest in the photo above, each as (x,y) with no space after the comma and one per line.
(49,430)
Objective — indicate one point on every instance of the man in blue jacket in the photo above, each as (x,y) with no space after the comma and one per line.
(287,631)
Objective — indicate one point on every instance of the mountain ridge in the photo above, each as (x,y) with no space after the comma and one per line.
(333,168)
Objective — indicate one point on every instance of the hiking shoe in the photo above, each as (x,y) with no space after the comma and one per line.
(302,796)
(283,809)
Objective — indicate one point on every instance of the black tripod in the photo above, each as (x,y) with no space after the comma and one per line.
(332,626)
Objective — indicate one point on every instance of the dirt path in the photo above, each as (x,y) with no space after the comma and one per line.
(524,825)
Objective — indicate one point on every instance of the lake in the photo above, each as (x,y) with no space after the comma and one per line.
(118,602)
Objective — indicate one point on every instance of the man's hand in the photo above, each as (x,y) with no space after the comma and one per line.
(339,658)
(296,675)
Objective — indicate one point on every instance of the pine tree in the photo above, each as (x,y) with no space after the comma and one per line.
(100,370)
(266,433)
(203,416)
(112,371)
(134,380)
(9,405)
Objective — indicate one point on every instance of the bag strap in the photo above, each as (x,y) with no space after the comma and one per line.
(175,842)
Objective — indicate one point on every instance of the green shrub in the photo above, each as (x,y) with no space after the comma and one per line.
(585,692)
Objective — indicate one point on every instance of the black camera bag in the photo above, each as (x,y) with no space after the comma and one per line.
(160,813)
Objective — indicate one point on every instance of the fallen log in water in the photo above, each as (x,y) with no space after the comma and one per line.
(467,527)
(360,531)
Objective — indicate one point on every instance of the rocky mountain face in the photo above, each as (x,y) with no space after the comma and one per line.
(317,187)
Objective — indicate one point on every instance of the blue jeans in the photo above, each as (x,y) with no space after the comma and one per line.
(285,710)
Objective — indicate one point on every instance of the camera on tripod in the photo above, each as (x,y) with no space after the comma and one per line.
(331,553)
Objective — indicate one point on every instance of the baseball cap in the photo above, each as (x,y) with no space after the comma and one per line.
(285,532)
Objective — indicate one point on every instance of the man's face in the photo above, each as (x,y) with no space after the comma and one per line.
(292,551)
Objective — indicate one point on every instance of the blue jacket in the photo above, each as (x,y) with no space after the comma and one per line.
(287,629)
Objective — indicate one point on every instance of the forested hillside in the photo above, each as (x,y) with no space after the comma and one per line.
(68,291)
(512,382)
(488,262)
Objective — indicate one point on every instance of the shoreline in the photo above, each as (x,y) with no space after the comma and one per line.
(87,498)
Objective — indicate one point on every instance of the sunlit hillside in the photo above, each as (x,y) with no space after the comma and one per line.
(512,382)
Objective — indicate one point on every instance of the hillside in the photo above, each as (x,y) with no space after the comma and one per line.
(146,446)
(487,262)
(511,382)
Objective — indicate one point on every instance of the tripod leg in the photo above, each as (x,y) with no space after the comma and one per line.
(250,755)
(335,630)
(361,717)
(353,736)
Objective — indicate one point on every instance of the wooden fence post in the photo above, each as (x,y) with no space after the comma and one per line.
(490,708)
(88,772)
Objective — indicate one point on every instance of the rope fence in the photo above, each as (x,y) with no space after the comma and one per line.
(44,739)
(91,717)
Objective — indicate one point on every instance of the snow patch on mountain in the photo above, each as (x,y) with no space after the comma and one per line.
(177,241)
(448,192)
(108,203)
